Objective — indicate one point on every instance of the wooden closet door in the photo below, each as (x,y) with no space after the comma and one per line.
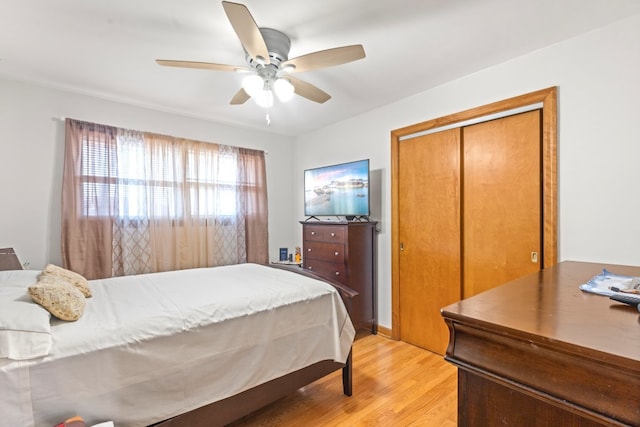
(429,232)
(501,201)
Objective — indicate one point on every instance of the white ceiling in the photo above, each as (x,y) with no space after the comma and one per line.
(107,48)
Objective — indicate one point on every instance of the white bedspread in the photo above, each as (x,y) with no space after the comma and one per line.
(152,346)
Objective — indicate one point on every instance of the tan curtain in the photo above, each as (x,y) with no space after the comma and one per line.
(161,203)
(86,213)
(253,176)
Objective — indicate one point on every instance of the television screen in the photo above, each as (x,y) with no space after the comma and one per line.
(337,190)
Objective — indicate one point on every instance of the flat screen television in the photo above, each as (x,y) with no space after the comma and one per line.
(337,190)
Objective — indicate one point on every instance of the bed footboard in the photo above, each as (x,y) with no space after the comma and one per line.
(347,376)
(346,293)
(235,407)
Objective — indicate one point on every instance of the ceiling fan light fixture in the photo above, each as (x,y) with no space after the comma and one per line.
(252,84)
(264,98)
(284,89)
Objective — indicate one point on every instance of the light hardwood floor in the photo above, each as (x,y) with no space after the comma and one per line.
(394,384)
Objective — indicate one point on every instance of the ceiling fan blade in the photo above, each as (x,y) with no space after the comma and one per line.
(240,97)
(247,30)
(326,58)
(309,91)
(201,65)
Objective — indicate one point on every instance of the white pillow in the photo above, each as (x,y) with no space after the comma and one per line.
(25,330)
(18,278)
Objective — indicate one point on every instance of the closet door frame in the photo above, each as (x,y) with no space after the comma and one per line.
(548,100)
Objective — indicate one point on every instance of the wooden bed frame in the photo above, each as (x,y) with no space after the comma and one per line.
(235,407)
(9,260)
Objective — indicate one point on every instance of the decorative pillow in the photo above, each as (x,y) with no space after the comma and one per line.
(59,297)
(25,331)
(74,278)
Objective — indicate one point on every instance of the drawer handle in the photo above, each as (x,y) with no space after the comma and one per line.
(313,233)
(337,273)
(308,249)
(309,268)
(336,253)
(333,234)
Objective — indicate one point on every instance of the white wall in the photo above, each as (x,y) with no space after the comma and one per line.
(599,141)
(599,147)
(31,160)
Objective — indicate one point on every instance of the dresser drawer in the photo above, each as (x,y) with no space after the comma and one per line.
(345,253)
(330,252)
(329,270)
(325,233)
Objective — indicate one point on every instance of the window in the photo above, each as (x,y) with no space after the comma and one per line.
(141,185)
(157,202)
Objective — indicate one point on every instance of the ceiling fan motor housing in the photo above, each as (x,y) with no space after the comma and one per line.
(278,46)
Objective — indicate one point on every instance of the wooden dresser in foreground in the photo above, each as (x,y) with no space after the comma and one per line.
(540,352)
(345,252)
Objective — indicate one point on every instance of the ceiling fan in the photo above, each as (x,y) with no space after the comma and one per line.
(267,54)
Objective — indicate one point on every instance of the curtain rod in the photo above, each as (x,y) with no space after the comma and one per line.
(62,119)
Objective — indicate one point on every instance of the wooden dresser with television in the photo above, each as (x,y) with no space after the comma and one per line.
(345,252)
(538,351)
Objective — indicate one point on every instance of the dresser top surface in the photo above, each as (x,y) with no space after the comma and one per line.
(338,222)
(548,307)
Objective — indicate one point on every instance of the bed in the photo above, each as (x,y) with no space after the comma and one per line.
(181,348)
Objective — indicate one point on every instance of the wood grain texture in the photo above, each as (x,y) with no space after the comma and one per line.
(544,350)
(395,384)
(429,201)
(345,253)
(548,98)
(550,177)
(501,193)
